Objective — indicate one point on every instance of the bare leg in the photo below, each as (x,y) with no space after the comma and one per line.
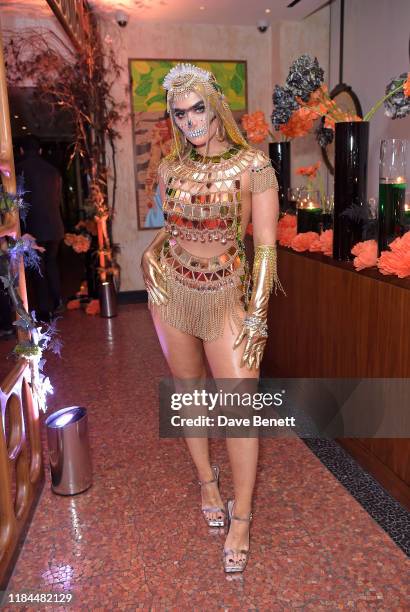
(243,452)
(185,357)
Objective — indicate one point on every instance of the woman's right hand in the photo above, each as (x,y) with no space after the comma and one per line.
(153,276)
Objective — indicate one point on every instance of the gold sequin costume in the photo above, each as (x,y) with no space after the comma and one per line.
(203,204)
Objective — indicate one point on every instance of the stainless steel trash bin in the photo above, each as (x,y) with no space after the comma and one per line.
(108,300)
(69,450)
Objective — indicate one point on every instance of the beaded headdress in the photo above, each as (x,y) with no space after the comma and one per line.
(185,78)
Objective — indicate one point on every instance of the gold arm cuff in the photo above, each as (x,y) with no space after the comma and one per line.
(263,178)
(266,256)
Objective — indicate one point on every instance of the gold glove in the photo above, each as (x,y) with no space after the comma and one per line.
(152,272)
(255,328)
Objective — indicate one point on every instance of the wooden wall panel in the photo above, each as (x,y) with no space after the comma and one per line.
(336,322)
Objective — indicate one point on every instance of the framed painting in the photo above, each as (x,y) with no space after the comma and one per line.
(152,132)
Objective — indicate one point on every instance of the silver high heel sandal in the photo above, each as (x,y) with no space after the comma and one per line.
(205,509)
(231,566)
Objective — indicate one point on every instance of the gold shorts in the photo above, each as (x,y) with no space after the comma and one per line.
(202,291)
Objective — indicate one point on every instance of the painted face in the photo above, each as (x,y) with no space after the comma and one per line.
(190,115)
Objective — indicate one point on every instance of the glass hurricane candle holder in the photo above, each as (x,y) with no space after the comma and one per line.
(328,210)
(309,211)
(405,213)
(293,196)
(392,190)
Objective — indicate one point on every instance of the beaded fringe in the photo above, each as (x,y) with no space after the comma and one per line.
(200,312)
(268,254)
(263,178)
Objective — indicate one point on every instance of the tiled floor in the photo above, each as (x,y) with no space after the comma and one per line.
(136,538)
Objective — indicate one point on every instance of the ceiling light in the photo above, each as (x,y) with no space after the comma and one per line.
(267,10)
(23,127)
(16,116)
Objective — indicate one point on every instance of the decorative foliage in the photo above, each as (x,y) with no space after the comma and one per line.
(33,340)
(397,104)
(79,242)
(305,98)
(324,135)
(366,254)
(80,83)
(305,77)
(284,104)
(397,260)
(256,127)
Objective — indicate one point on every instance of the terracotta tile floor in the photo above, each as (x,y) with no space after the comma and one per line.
(136,538)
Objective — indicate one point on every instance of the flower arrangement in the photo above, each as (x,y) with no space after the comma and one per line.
(33,341)
(314,179)
(395,261)
(305,95)
(79,242)
(79,82)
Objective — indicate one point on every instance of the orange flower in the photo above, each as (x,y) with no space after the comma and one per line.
(317,102)
(315,245)
(309,171)
(302,242)
(326,242)
(391,262)
(286,236)
(255,126)
(366,254)
(287,221)
(93,307)
(299,124)
(406,86)
(397,260)
(73,305)
(286,229)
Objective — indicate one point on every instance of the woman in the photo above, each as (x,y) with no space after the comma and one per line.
(197,277)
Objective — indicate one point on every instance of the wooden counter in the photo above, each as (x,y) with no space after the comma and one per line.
(336,322)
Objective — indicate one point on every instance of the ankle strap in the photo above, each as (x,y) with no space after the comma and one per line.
(203,482)
(238,518)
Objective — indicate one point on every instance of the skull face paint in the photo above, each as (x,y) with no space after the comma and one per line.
(191,116)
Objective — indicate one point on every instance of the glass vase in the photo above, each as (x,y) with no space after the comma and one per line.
(279,153)
(392,190)
(309,211)
(351,156)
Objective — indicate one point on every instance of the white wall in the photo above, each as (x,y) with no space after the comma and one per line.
(376,49)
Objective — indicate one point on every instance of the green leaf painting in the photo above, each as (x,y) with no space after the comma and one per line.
(147,77)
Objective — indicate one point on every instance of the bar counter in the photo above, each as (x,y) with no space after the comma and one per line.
(337,322)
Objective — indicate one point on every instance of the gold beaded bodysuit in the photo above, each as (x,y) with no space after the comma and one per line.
(203,204)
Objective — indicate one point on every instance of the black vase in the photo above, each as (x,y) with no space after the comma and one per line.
(279,153)
(351,154)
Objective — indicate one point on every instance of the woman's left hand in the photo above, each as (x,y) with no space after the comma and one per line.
(254,346)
